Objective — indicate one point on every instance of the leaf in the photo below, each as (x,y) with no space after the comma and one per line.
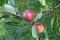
(9,27)
(38,16)
(17,10)
(46,34)
(1,10)
(2,21)
(2,2)
(9,8)
(3,31)
(10,37)
(11,2)
(42,9)
(34,33)
(52,21)
(43,2)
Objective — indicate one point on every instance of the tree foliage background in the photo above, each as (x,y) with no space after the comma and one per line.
(12,27)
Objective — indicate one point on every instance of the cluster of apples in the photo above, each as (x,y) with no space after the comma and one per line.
(28,15)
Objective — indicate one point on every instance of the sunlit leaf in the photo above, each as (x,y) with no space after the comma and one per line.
(9,8)
(9,27)
(38,16)
(46,34)
(52,22)
(11,2)
(34,33)
(1,10)
(2,21)
(43,2)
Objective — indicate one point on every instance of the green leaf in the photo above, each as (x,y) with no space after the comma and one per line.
(2,2)
(11,2)
(9,8)
(10,37)
(34,33)
(1,9)
(3,31)
(43,2)
(9,27)
(46,34)
(52,22)
(38,16)
(42,9)
(2,21)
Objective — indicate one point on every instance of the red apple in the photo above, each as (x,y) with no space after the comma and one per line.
(28,15)
(39,27)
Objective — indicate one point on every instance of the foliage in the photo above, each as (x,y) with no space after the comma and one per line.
(14,27)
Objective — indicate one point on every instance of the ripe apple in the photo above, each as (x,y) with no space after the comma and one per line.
(39,27)
(28,15)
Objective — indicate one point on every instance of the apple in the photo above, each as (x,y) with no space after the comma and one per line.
(39,27)
(28,15)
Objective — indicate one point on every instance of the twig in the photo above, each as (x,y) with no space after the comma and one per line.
(47,12)
(57,6)
(20,15)
(50,10)
(44,13)
(9,14)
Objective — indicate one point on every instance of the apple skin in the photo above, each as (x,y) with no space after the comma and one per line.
(28,15)
(39,27)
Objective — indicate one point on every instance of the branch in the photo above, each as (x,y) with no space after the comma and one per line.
(20,15)
(44,13)
(9,14)
(29,23)
(57,6)
(50,10)
(47,12)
